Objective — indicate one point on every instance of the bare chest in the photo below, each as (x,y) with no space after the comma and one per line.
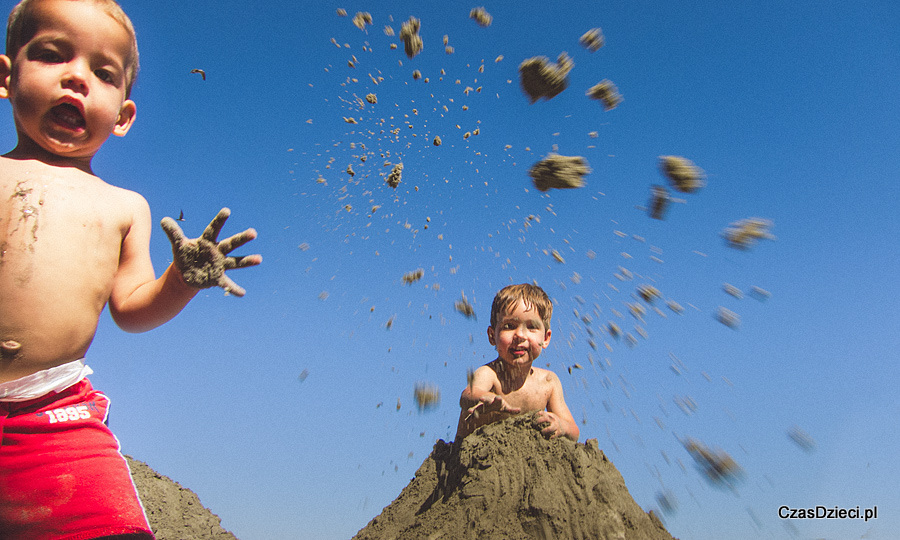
(45,223)
(533,395)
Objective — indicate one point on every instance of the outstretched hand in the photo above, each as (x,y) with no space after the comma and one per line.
(203,261)
(492,403)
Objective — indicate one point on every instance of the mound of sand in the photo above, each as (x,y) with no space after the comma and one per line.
(174,512)
(506,481)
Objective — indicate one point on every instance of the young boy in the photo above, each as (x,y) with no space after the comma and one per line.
(69,245)
(520,331)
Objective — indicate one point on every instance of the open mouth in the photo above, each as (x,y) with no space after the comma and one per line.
(68,116)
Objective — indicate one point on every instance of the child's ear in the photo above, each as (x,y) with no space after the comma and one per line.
(5,74)
(125,119)
(547,338)
(490,333)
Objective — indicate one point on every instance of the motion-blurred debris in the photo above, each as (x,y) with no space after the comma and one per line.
(560,172)
(682,173)
(372,98)
(667,501)
(659,202)
(482,17)
(409,33)
(541,79)
(201,72)
(732,290)
(606,92)
(802,439)
(744,233)
(648,293)
(592,40)
(428,395)
(728,318)
(361,19)
(759,293)
(463,306)
(719,467)
(411,277)
(393,179)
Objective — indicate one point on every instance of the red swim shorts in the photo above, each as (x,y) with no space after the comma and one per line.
(61,473)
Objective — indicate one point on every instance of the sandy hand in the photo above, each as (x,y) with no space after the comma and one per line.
(203,261)
(548,423)
(489,404)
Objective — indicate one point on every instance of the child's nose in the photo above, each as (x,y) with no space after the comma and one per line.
(75,79)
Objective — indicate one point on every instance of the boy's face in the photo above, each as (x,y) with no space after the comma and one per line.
(67,83)
(519,336)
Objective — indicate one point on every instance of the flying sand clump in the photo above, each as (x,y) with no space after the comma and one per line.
(744,233)
(592,40)
(606,92)
(719,467)
(361,19)
(559,172)
(427,395)
(393,179)
(464,307)
(541,79)
(659,202)
(411,277)
(409,33)
(482,17)
(682,173)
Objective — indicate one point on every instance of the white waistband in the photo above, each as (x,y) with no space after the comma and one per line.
(55,379)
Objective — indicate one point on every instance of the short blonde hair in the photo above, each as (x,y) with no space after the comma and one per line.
(21,27)
(533,296)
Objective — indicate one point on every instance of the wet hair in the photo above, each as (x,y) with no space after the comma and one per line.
(22,26)
(533,296)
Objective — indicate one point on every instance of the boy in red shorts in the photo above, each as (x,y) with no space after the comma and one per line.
(71,244)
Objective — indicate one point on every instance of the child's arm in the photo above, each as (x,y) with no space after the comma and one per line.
(138,301)
(478,397)
(479,405)
(557,417)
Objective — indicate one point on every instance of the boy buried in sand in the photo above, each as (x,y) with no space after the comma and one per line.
(520,331)
(70,244)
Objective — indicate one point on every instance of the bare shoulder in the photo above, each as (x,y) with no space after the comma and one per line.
(487,372)
(544,376)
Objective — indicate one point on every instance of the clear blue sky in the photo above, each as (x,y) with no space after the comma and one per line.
(791,109)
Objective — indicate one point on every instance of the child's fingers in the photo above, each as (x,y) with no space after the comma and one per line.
(236,241)
(172,230)
(215,226)
(242,262)
(231,287)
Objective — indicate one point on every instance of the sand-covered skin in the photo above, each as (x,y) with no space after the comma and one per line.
(203,261)
(174,512)
(506,481)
